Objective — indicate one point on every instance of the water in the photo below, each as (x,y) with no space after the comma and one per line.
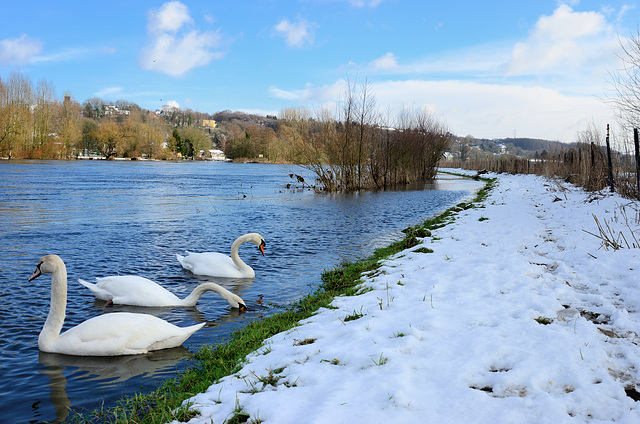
(107,218)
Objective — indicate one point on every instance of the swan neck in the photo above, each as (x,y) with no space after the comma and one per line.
(192,299)
(57,310)
(235,257)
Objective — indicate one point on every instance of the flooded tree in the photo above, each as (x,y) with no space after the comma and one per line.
(356,152)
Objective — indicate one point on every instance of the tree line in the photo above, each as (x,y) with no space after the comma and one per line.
(350,149)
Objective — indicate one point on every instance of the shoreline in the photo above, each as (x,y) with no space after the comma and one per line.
(221,360)
(512,310)
(511,313)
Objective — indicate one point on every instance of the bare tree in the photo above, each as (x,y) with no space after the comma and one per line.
(43,113)
(15,116)
(626,81)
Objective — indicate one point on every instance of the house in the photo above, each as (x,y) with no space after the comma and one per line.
(217,155)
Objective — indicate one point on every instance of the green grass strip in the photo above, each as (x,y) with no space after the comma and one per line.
(213,362)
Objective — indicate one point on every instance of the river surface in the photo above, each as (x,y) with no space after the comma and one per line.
(126,217)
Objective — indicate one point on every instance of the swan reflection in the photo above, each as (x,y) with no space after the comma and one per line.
(101,372)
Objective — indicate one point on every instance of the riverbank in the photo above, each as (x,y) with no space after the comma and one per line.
(516,311)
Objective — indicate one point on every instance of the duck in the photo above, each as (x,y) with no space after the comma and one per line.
(113,334)
(216,264)
(140,291)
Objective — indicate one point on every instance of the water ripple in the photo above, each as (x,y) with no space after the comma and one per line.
(109,218)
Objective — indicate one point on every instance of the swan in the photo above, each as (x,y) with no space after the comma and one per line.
(216,264)
(114,334)
(139,291)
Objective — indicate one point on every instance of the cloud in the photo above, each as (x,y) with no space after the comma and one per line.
(296,34)
(564,42)
(623,11)
(110,92)
(479,109)
(173,49)
(18,51)
(282,94)
(169,18)
(61,56)
(385,62)
(171,104)
(363,3)
(107,50)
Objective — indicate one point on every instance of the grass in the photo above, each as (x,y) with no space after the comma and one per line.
(213,362)
(544,320)
(380,361)
(355,315)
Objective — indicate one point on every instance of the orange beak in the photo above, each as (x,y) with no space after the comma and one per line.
(261,247)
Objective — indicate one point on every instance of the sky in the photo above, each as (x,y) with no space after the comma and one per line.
(486,69)
(519,315)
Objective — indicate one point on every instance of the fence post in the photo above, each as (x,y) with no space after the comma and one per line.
(635,142)
(609,162)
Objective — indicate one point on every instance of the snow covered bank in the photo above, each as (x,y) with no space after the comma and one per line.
(518,315)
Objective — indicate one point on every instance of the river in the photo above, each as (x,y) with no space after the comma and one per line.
(132,217)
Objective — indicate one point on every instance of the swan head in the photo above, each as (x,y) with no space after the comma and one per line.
(258,240)
(236,302)
(47,265)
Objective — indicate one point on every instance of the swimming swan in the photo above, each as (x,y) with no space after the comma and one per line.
(113,334)
(216,264)
(140,291)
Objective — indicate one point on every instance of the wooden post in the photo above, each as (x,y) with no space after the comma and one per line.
(636,143)
(609,162)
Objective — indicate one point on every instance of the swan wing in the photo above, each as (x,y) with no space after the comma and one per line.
(136,291)
(213,264)
(120,333)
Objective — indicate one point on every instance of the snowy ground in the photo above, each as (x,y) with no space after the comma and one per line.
(459,335)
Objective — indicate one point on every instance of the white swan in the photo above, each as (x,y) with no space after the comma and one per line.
(113,334)
(216,264)
(140,291)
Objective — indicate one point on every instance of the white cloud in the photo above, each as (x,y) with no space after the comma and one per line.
(107,50)
(173,50)
(481,110)
(296,34)
(363,3)
(282,94)
(170,17)
(623,11)
(564,42)
(544,87)
(493,110)
(61,56)
(171,104)
(385,62)
(18,51)
(110,92)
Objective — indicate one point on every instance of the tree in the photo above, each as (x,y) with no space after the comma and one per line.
(69,129)
(94,108)
(88,143)
(196,138)
(109,138)
(15,116)
(43,113)
(626,81)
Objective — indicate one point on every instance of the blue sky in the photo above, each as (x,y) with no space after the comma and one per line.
(488,69)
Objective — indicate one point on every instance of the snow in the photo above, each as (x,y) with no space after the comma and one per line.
(453,337)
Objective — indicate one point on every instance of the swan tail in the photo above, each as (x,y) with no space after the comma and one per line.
(180,259)
(97,291)
(87,284)
(177,339)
